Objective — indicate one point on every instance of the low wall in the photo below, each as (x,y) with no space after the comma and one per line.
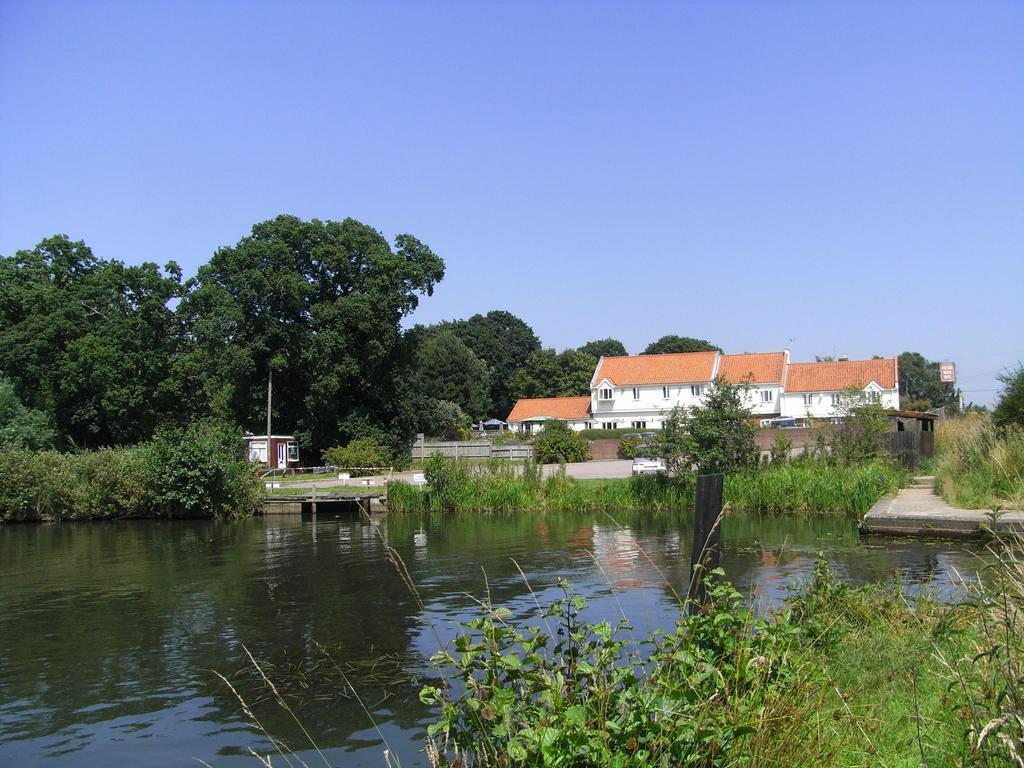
(470,449)
(603,450)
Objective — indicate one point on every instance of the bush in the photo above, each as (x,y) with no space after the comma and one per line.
(361,457)
(628,447)
(559,444)
(200,471)
(195,472)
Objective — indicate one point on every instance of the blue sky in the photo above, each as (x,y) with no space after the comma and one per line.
(832,177)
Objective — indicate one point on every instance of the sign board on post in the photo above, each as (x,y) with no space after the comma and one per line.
(947,373)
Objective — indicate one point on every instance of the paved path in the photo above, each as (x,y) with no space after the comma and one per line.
(585,470)
(919,511)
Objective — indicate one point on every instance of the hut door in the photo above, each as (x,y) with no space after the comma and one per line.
(282,454)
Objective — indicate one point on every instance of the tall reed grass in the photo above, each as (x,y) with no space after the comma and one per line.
(811,486)
(979,466)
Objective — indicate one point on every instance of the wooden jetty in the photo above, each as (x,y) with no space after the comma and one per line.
(919,511)
(312,502)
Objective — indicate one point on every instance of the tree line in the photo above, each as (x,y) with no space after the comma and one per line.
(95,352)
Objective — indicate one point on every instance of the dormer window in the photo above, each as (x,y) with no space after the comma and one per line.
(605,393)
(872,396)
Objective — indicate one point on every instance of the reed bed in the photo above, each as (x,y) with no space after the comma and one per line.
(979,466)
(812,486)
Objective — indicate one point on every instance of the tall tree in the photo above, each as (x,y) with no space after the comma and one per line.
(603,348)
(672,343)
(1010,408)
(447,369)
(551,374)
(325,300)
(920,385)
(503,341)
(90,342)
(22,426)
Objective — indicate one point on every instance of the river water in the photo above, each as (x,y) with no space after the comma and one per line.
(110,633)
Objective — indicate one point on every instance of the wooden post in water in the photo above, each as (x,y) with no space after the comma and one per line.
(707,538)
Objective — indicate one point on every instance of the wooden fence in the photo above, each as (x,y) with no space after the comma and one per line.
(471,449)
(909,447)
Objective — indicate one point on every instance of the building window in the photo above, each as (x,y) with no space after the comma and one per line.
(809,399)
(696,390)
(605,394)
(872,397)
(766,396)
(607,425)
(835,398)
(666,392)
(636,393)
(639,424)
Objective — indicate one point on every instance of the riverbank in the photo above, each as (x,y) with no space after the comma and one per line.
(194,472)
(810,486)
(840,677)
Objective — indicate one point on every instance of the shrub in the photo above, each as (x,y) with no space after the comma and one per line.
(628,447)
(195,472)
(200,471)
(557,443)
(361,457)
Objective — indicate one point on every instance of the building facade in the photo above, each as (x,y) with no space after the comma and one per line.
(638,391)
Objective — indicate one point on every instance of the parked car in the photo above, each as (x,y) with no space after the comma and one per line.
(645,466)
(786,422)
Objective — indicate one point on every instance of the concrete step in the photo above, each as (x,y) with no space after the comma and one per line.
(923,481)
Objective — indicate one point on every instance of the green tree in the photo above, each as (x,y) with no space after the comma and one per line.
(446,369)
(1010,408)
(716,436)
(920,387)
(443,418)
(325,297)
(859,436)
(603,348)
(20,426)
(557,444)
(551,374)
(503,342)
(91,343)
(672,343)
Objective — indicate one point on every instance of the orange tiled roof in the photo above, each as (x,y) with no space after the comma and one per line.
(841,374)
(552,407)
(677,368)
(757,368)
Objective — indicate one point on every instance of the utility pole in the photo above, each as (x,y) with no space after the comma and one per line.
(270,389)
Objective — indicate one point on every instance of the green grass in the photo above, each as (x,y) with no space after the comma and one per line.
(979,466)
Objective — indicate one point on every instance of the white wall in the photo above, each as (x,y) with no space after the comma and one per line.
(822,406)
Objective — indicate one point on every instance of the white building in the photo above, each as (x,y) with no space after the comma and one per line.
(638,391)
(814,390)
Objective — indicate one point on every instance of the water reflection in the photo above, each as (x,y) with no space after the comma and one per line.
(109,631)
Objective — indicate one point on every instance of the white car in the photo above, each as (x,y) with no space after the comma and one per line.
(642,466)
